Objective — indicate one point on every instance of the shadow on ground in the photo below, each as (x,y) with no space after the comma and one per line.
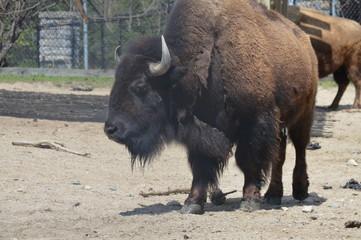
(231,205)
(64,107)
(93,108)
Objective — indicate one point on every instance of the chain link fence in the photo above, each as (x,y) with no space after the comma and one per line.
(58,37)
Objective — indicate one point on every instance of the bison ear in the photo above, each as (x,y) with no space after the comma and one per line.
(176,75)
(117,56)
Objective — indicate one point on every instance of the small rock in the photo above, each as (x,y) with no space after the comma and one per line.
(313,146)
(113,188)
(353,184)
(335,205)
(307,209)
(173,204)
(19,190)
(87,187)
(327,187)
(284,208)
(75,182)
(353,224)
(77,204)
(352,162)
(355,153)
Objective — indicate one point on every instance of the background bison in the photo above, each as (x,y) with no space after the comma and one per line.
(337,43)
(229,72)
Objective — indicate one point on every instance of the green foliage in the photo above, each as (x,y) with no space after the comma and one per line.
(25,46)
(111,23)
(327,82)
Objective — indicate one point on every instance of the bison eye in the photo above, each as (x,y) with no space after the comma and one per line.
(140,89)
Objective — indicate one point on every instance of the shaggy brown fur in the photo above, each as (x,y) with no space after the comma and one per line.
(337,43)
(240,74)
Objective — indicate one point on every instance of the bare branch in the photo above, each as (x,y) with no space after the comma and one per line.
(42,9)
(144,13)
(165,193)
(17,13)
(49,145)
(20,8)
(2,26)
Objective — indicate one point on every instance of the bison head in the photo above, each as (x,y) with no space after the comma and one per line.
(139,108)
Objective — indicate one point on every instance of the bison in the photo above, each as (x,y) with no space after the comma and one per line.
(337,43)
(226,73)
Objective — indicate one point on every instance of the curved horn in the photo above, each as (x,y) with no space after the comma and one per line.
(117,57)
(158,69)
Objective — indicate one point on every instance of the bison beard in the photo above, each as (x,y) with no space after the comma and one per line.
(226,72)
(198,137)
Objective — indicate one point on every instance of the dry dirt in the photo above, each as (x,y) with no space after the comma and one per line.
(39,200)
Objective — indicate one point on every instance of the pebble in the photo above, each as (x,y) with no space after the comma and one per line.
(307,209)
(113,188)
(335,205)
(352,162)
(173,204)
(75,182)
(284,208)
(87,187)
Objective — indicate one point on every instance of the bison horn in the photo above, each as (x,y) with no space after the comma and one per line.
(117,57)
(158,69)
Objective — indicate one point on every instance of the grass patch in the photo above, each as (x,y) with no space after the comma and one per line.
(327,82)
(97,82)
(61,81)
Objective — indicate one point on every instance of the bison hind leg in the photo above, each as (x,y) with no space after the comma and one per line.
(217,197)
(257,149)
(300,135)
(274,193)
(342,81)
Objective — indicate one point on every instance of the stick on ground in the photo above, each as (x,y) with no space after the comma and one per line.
(169,192)
(49,145)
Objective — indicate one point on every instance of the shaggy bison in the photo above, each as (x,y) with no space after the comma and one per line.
(226,73)
(337,43)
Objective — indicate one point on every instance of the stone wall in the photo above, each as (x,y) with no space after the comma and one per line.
(59,41)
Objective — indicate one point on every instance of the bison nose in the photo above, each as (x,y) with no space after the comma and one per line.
(109,129)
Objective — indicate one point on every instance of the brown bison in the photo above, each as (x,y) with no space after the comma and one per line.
(337,43)
(226,73)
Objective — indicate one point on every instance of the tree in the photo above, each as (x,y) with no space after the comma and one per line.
(13,16)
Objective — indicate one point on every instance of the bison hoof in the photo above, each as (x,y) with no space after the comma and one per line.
(250,205)
(217,197)
(193,208)
(272,200)
(300,191)
(300,195)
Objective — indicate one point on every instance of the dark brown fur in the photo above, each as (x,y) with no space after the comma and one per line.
(240,75)
(337,43)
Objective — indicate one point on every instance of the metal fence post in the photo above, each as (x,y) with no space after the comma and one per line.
(333,8)
(85,40)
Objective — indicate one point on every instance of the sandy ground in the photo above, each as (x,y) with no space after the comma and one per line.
(49,194)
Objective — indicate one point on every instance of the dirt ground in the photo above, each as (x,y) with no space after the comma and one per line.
(50,194)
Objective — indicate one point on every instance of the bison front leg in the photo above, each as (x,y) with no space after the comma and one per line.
(205,172)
